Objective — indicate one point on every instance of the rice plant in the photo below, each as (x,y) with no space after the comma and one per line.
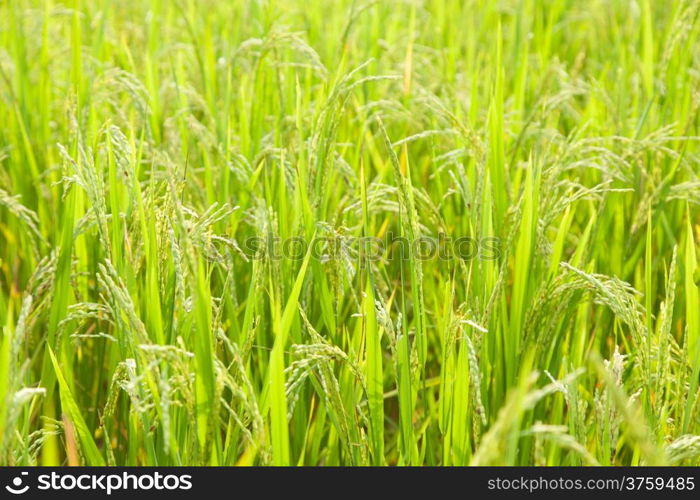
(349,232)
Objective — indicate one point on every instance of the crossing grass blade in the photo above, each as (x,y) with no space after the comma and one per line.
(373,342)
(72,410)
(277,396)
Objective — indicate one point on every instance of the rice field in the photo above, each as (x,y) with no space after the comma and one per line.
(350,232)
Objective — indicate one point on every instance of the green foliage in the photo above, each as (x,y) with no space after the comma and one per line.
(145,145)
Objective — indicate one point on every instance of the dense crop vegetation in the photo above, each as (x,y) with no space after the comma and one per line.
(188,192)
